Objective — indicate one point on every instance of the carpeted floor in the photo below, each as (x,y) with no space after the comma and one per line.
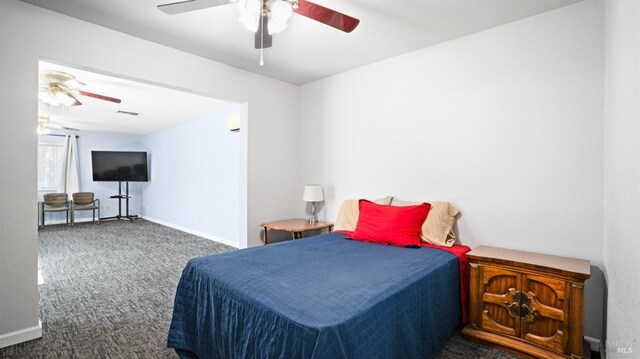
(108,292)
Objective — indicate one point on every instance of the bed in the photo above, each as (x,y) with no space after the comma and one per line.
(318,297)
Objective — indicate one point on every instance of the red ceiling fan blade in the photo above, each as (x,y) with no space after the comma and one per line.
(190,5)
(327,16)
(99,97)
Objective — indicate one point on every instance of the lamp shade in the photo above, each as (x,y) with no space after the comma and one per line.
(313,193)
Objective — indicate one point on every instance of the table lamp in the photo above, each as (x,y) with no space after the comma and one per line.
(313,193)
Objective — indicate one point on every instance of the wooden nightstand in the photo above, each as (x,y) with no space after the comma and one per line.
(296,226)
(527,303)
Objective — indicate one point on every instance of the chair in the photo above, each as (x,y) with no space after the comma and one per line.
(84,201)
(54,202)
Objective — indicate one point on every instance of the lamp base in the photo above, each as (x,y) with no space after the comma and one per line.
(314,218)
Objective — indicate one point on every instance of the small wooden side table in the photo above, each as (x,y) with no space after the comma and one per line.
(296,226)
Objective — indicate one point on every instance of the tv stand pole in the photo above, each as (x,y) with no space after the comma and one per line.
(126,197)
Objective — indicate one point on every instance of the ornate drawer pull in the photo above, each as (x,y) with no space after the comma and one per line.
(520,307)
(528,312)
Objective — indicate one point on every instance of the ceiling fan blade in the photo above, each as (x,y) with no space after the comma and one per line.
(76,103)
(99,97)
(190,5)
(57,126)
(53,125)
(267,41)
(327,16)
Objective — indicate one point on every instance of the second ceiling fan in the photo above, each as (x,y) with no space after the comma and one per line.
(267,17)
(60,88)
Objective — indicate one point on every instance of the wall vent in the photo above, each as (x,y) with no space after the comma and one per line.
(128,113)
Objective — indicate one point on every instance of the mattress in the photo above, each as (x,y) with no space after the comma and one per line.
(318,297)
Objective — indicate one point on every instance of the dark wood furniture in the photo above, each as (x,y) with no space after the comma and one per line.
(296,226)
(527,303)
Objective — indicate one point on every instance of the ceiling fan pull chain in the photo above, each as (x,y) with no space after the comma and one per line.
(262,34)
(262,48)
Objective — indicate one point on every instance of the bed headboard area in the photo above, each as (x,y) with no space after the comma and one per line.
(437,229)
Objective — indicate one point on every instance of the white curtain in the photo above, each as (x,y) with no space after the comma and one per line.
(69,182)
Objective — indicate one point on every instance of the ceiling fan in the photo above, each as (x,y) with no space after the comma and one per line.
(269,15)
(45,125)
(59,88)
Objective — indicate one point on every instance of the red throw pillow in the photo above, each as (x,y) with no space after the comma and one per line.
(394,225)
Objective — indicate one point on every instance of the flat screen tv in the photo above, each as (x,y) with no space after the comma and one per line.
(119,166)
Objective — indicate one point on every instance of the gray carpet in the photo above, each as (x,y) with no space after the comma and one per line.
(108,292)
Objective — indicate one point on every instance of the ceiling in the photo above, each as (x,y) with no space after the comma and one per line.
(158,107)
(306,50)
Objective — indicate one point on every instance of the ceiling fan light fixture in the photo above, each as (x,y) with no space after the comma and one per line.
(55,98)
(279,12)
(250,13)
(42,128)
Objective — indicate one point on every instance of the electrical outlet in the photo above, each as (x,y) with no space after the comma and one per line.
(108,208)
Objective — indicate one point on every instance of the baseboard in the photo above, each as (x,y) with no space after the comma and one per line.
(63,221)
(191,231)
(21,335)
(594,343)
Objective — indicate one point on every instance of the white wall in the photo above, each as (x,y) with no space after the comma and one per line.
(506,124)
(622,175)
(27,34)
(194,179)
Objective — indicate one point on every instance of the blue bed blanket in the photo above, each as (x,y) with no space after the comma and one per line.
(318,297)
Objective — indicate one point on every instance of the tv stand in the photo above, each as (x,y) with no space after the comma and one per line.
(120,197)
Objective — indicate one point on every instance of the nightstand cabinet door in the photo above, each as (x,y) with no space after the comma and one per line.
(548,310)
(498,286)
(529,303)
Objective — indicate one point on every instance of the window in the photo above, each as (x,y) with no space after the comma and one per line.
(50,157)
